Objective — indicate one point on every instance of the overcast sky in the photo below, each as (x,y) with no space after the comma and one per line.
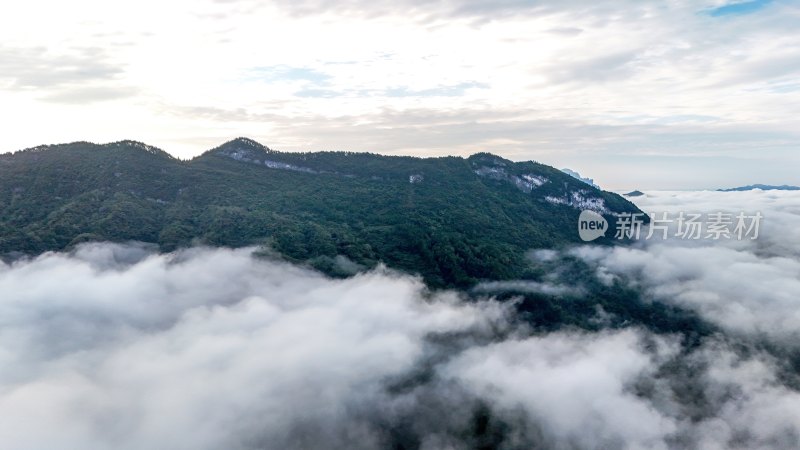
(674,94)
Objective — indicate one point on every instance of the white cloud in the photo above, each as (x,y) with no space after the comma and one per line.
(746,286)
(113,346)
(202,349)
(575,388)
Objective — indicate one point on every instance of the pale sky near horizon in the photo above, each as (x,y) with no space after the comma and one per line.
(636,94)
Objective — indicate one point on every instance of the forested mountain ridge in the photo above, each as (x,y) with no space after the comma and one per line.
(453,220)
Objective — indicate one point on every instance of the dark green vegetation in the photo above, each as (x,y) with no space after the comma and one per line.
(453,220)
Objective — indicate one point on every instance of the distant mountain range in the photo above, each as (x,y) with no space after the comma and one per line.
(453,220)
(763,187)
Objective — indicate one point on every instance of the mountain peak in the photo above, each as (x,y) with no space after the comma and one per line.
(139,146)
(578,176)
(126,145)
(242,149)
(489,158)
(246,143)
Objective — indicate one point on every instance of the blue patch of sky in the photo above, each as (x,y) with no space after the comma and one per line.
(734,9)
(288,73)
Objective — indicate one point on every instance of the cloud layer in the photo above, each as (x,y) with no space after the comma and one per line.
(747,286)
(203,349)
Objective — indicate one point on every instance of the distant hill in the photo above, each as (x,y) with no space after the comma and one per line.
(634,194)
(453,220)
(578,176)
(763,187)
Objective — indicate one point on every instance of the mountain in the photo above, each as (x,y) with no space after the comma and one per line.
(763,187)
(634,194)
(453,220)
(578,176)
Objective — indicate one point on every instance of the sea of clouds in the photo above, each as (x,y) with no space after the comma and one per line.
(747,286)
(117,346)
